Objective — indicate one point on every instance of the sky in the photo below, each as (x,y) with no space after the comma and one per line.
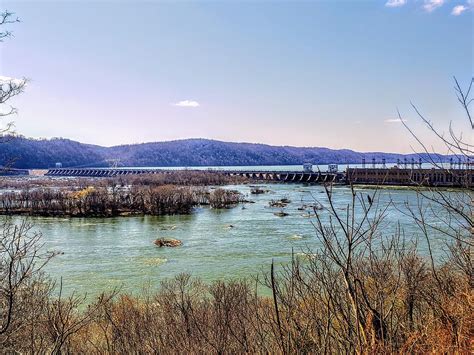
(313,73)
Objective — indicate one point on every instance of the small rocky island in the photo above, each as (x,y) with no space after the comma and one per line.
(168,242)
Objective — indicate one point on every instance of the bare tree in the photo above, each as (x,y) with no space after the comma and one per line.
(21,258)
(9,87)
(454,209)
(21,263)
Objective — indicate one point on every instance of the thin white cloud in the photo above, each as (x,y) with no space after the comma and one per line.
(395,120)
(431,5)
(187,103)
(458,10)
(395,3)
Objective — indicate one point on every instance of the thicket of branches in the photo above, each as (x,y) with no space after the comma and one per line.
(9,87)
(110,201)
(149,194)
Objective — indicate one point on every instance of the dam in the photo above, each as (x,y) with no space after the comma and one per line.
(281,176)
(397,176)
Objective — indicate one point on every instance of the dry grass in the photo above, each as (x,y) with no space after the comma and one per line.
(186,316)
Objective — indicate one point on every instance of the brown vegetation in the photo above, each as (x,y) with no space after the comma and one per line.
(147,195)
(178,177)
(185,178)
(221,198)
(384,300)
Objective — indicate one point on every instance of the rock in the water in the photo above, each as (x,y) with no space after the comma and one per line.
(168,242)
(125,213)
(281,214)
(278,203)
(255,190)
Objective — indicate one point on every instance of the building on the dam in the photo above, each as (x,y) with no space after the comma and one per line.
(413,176)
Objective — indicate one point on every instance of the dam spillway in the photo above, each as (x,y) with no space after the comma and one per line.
(276,176)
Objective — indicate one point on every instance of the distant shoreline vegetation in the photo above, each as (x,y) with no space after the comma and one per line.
(28,153)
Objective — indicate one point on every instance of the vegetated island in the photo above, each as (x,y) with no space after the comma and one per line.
(157,194)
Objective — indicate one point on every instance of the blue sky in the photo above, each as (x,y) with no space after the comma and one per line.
(314,73)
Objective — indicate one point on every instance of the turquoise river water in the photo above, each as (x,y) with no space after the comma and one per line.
(102,254)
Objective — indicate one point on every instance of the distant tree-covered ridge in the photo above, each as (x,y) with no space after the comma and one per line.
(31,153)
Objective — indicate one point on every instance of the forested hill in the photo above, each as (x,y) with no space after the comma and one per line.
(33,153)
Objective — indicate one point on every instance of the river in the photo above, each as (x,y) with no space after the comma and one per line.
(102,254)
